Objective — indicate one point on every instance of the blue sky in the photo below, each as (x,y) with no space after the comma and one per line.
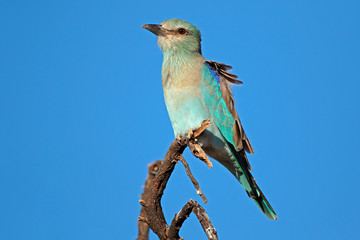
(82,114)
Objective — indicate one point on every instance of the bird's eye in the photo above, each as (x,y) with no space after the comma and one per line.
(181,31)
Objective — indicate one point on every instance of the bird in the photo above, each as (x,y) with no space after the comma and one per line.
(196,89)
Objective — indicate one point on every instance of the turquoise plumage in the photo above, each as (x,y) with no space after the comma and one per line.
(196,89)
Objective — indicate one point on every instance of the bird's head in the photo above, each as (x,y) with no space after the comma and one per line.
(176,35)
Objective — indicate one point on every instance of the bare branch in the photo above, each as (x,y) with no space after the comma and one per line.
(151,215)
(143,233)
(193,180)
(198,152)
(204,221)
(179,219)
(194,147)
(203,126)
(153,211)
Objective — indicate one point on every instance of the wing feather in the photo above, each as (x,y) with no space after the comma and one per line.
(224,78)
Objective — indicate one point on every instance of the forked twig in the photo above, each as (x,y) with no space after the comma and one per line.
(151,215)
(179,219)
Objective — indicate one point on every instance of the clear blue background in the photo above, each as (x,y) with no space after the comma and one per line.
(82,114)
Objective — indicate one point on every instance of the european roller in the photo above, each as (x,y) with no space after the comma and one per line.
(196,89)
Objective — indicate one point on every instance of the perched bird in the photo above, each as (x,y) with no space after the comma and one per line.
(196,89)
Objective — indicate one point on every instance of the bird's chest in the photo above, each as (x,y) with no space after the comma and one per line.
(185,105)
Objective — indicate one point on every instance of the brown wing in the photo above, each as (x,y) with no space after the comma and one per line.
(226,78)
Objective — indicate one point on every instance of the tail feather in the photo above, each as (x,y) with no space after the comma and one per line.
(236,162)
(264,205)
(255,193)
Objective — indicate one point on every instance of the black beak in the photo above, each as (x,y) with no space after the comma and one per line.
(155,29)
